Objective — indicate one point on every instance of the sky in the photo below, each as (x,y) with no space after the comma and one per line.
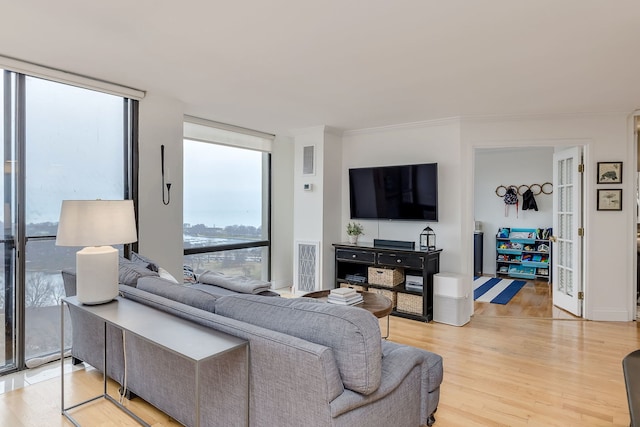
(238,201)
(74,151)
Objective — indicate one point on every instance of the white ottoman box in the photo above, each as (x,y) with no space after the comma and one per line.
(451,299)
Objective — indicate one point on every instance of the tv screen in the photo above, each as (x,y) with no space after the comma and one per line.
(408,192)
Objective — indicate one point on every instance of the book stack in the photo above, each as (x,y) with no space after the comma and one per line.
(344,296)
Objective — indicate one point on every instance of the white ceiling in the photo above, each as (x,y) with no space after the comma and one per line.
(277,65)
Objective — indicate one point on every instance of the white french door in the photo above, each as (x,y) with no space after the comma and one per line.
(567,221)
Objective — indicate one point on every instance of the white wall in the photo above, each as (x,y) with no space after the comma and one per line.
(510,166)
(436,141)
(160,227)
(316,212)
(609,240)
(282,161)
(610,236)
(331,184)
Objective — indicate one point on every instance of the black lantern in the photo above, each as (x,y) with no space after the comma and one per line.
(427,239)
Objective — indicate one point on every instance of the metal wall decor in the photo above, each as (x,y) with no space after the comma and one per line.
(536,189)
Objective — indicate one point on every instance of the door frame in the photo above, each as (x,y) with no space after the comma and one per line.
(468,216)
(634,132)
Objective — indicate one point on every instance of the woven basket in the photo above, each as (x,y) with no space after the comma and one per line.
(409,303)
(356,287)
(387,277)
(387,293)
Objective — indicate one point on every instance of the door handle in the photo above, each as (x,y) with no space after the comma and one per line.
(553,239)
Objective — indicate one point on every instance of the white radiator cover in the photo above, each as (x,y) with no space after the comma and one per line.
(306,267)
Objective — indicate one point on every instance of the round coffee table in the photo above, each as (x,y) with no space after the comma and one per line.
(379,305)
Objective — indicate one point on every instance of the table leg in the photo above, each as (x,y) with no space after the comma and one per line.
(387,336)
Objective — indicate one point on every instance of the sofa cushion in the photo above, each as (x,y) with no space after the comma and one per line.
(176,292)
(352,333)
(241,284)
(221,292)
(129,272)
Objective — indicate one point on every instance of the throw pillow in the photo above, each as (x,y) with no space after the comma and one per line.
(180,293)
(129,272)
(141,259)
(166,275)
(241,284)
(189,276)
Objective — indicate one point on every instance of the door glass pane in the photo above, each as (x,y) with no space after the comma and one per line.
(569,198)
(559,281)
(75,149)
(568,169)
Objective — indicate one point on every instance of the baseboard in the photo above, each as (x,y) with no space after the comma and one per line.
(611,316)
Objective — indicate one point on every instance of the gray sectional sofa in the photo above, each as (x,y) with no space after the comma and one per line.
(311,363)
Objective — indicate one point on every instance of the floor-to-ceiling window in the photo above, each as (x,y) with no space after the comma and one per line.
(60,142)
(226,200)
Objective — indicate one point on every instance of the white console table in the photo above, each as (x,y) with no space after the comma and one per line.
(193,344)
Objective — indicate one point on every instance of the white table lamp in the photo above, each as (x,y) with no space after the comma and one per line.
(96,224)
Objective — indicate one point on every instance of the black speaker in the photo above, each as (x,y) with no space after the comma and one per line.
(395,244)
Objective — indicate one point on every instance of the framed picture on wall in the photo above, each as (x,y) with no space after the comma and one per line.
(609,172)
(610,200)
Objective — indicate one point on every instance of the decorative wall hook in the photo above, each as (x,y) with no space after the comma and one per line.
(166,200)
(536,189)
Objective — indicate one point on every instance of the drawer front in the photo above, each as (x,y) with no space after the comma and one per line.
(352,255)
(401,260)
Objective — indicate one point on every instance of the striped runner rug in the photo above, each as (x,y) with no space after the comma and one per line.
(495,290)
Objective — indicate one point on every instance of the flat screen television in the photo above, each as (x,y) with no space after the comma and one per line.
(406,192)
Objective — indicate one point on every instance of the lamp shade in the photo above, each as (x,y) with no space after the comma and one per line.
(96,223)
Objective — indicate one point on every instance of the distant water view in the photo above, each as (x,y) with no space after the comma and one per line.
(246,262)
(44,262)
(200,235)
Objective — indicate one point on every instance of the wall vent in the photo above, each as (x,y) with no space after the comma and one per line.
(307,267)
(308,160)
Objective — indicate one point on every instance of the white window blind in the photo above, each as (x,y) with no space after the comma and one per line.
(209,131)
(69,78)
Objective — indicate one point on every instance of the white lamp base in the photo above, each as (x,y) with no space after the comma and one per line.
(96,274)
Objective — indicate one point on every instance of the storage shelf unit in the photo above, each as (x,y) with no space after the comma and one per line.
(353,262)
(524,254)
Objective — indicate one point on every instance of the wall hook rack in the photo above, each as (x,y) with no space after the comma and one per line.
(536,189)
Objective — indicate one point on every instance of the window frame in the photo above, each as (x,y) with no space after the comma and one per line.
(16,352)
(202,125)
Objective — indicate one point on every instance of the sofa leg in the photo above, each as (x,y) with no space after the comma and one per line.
(75,361)
(432,419)
(129,395)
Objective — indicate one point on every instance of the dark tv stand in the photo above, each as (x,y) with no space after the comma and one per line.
(354,260)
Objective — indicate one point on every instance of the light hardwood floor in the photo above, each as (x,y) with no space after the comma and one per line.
(501,369)
(533,300)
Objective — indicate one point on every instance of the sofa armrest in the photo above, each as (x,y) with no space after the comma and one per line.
(398,363)
(69,280)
